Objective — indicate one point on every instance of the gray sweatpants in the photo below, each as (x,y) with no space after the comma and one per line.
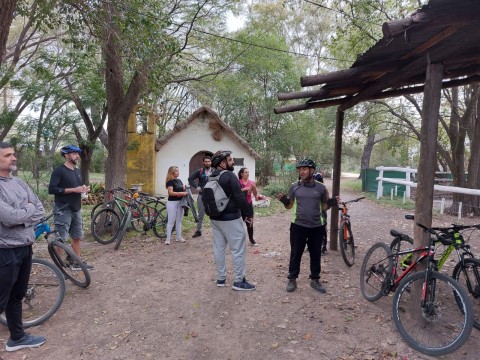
(232,233)
(201,212)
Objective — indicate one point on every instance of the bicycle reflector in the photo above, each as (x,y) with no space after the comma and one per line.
(41,228)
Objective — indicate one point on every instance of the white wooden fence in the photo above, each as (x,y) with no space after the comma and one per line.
(408,184)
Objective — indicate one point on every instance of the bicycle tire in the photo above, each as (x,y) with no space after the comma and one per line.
(100,206)
(443,324)
(64,257)
(468,275)
(347,246)
(136,222)
(375,271)
(123,228)
(45,294)
(160,224)
(105,226)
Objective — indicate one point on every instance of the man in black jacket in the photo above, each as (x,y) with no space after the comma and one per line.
(227,228)
(201,175)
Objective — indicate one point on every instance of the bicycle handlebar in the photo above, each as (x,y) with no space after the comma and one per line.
(351,201)
(53,213)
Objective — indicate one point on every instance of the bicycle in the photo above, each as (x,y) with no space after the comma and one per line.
(62,255)
(151,219)
(105,223)
(45,294)
(467,269)
(431,311)
(345,235)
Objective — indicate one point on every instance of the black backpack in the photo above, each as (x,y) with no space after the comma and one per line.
(213,196)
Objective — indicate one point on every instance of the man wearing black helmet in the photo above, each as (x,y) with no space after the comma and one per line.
(67,185)
(309,198)
(227,228)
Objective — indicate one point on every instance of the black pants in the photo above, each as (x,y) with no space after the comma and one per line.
(15,266)
(299,237)
(249,226)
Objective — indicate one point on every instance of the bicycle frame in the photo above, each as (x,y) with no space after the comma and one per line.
(426,252)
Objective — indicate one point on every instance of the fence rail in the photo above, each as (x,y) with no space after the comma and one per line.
(409,184)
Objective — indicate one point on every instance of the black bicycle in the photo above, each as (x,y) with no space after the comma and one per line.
(62,254)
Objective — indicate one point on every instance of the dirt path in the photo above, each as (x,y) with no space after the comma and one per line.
(148,300)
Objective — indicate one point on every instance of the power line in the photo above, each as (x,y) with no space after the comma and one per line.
(223,37)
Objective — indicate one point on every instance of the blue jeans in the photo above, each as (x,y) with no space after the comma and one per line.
(15,267)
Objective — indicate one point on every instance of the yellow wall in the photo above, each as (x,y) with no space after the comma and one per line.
(141,154)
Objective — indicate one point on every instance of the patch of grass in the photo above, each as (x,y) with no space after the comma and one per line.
(355,185)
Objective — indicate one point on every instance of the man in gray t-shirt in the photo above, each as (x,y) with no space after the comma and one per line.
(308,198)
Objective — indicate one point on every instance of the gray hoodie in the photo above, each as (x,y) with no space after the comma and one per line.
(20,210)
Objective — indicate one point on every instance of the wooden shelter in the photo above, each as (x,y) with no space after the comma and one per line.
(436,47)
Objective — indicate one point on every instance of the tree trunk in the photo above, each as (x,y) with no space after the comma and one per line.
(472,203)
(120,104)
(116,169)
(7,10)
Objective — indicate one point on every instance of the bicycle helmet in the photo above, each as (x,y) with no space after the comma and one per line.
(306,163)
(219,156)
(69,149)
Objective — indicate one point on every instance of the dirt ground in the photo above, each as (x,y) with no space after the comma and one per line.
(152,301)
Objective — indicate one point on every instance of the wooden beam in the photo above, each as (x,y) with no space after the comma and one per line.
(428,151)
(414,68)
(457,13)
(300,94)
(341,75)
(382,95)
(337,171)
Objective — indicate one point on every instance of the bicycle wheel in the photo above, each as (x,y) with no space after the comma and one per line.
(375,271)
(45,293)
(160,224)
(69,263)
(346,243)
(101,206)
(105,226)
(443,323)
(123,228)
(136,222)
(468,275)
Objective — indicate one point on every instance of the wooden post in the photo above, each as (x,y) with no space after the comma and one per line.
(337,170)
(428,151)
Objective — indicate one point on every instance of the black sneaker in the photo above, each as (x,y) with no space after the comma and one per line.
(27,341)
(253,243)
(315,284)
(197,234)
(324,251)
(222,283)
(243,285)
(292,285)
